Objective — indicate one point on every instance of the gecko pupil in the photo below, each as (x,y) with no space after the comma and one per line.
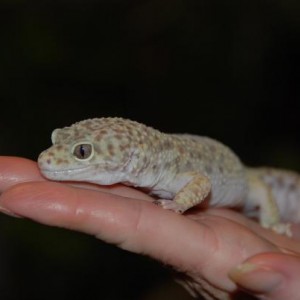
(83,151)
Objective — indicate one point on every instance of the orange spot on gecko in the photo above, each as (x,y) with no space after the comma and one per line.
(103,131)
(59,161)
(111,149)
(98,138)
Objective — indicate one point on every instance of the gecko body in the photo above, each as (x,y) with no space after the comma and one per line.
(181,170)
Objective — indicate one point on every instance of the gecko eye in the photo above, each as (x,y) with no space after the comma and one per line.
(83,151)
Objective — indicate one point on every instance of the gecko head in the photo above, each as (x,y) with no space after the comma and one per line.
(96,150)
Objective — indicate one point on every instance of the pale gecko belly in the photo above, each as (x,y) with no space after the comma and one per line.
(230,191)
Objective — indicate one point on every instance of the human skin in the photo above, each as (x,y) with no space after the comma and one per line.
(224,251)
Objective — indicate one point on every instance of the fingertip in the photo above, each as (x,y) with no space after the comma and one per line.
(35,200)
(14,170)
(13,161)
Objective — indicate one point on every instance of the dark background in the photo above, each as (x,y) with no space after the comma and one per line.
(226,69)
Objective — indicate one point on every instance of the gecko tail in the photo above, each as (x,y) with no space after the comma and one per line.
(285,188)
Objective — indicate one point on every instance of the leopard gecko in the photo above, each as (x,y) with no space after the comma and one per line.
(180,170)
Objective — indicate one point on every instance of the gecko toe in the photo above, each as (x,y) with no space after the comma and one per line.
(170,205)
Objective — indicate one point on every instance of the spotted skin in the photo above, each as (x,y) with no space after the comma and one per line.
(184,168)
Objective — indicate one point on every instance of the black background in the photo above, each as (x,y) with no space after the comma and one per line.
(226,69)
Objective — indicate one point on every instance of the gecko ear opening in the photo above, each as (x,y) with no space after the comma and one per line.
(83,151)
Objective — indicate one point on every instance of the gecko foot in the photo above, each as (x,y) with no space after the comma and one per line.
(282,228)
(170,205)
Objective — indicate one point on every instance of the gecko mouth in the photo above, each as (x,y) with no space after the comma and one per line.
(67,174)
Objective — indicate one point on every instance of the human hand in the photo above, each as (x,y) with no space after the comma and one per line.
(208,248)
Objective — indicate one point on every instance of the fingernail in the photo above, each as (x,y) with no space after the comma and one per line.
(8,212)
(256,279)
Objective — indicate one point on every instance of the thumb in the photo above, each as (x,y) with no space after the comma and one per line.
(270,276)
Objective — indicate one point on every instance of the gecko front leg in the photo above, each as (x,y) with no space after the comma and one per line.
(194,192)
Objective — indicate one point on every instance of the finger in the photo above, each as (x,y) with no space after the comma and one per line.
(89,211)
(271,276)
(140,227)
(129,223)
(66,206)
